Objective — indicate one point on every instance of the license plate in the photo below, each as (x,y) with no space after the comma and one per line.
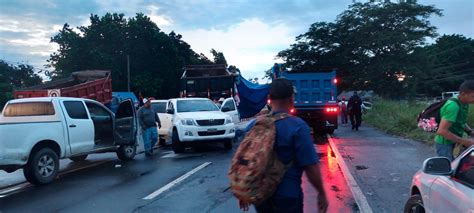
(211,130)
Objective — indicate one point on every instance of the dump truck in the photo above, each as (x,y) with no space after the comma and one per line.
(90,84)
(207,81)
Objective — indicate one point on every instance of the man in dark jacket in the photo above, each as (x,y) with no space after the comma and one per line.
(355,111)
(148,119)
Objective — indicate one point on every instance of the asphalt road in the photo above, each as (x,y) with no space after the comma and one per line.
(104,184)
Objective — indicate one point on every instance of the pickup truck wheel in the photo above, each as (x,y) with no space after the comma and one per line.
(414,204)
(228,144)
(42,167)
(126,152)
(178,147)
(78,158)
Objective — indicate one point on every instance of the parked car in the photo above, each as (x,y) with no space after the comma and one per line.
(366,106)
(118,97)
(229,107)
(197,120)
(442,186)
(165,119)
(37,132)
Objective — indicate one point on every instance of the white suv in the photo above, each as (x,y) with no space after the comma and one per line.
(196,120)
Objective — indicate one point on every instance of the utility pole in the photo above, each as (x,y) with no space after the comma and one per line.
(128,73)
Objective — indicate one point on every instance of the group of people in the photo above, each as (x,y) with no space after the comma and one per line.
(351,109)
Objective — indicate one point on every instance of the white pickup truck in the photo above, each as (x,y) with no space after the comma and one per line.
(36,132)
(196,120)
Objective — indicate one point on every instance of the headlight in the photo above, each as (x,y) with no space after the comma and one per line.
(228,120)
(187,122)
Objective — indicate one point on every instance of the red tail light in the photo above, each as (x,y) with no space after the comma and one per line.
(335,81)
(269,101)
(332,109)
(292,111)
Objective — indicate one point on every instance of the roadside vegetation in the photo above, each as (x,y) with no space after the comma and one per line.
(399,118)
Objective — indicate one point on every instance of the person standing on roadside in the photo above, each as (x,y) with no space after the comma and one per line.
(355,111)
(343,108)
(148,120)
(293,145)
(453,123)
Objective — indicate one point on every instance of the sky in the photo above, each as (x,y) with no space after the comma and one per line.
(249,32)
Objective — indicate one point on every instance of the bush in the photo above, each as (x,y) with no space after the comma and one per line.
(399,118)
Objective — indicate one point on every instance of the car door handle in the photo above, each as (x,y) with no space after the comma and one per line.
(72,125)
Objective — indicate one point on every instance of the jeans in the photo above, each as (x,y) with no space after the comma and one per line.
(344,117)
(281,205)
(150,137)
(445,150)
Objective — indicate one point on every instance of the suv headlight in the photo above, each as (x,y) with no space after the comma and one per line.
(228,120)
(188,122)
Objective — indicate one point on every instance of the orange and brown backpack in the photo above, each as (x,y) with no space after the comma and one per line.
(256,171)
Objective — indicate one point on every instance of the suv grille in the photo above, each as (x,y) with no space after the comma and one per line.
(221,132)
(211,122)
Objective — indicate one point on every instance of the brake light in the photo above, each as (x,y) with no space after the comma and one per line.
(332,109)
(292,111)
(269,101)
(335,81)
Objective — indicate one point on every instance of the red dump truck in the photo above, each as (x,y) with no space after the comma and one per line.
(91,84)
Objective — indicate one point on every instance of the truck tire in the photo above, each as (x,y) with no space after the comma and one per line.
(228,144)
(331,131)
(78,158)
(126,152)
(42,167)
(178,147)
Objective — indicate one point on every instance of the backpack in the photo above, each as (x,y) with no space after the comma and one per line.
(429,118)
(256,171)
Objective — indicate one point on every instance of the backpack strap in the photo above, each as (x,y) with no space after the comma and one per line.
(279,116)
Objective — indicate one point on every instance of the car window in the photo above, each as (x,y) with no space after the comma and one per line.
(465,171)
(196,106)
(96,110)
(76,110)
(229,104)
(29,109)
(160,107)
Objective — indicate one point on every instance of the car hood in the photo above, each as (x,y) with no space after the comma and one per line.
(202,115)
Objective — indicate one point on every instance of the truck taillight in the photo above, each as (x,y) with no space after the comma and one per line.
(332,109)
(335,81)
(269,101)
(292,111)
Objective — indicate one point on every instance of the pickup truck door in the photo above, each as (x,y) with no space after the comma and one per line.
(166,123)
(229,107)
(79,126)
(125,131)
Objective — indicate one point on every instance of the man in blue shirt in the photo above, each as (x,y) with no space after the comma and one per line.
(293,144)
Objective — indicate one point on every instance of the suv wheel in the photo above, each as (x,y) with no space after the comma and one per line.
(228,144)
(42,167)
(178,147)
(126,152)
(414,205)
(78,158)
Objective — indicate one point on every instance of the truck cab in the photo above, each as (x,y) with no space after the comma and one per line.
(315,99)
(37,132)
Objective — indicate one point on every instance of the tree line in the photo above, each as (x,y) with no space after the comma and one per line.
(384,46)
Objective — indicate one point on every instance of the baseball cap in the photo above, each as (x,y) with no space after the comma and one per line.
(145,100)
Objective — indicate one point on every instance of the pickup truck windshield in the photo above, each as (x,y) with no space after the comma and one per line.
(29,109)
(196,106)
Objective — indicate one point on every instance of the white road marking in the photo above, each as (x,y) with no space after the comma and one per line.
(359,196)
(170,155)
(177,181)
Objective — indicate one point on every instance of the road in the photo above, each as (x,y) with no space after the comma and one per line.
(196,181)
(105,184)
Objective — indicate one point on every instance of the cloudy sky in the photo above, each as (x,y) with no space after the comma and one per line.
(249,32)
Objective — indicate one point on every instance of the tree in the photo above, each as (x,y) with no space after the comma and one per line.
(218,57)
(156,58)
(369,44)
(14,77)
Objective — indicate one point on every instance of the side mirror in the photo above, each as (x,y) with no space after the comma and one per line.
(225,109)
(437,166)
(170,111)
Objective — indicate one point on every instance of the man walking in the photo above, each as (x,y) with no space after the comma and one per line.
(453,122)
(148,119)
(355,111)
(343,108)
(293,146)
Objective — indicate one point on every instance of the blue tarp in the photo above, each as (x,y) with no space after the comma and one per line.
(253,97)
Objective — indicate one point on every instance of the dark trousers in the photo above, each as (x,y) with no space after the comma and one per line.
(344,117)
(356,119)
(281,205)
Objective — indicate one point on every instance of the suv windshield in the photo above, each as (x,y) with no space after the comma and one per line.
(196,106)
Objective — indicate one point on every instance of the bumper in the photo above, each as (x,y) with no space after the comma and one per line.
(204,133)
